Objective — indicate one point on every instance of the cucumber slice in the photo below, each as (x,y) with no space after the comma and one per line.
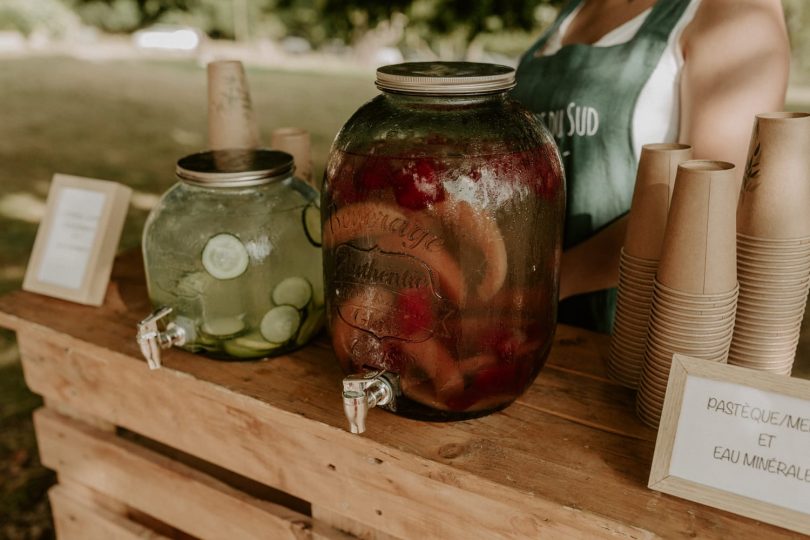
(294,291)
(280,324)
(311,217)
(225,256)
(252,345)
(234,350)
(312,324)
(223,327)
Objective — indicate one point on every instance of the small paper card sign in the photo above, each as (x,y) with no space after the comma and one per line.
(736,439)
(77,239)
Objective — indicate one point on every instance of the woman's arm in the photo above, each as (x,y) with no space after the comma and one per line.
(736,65)
(593,265)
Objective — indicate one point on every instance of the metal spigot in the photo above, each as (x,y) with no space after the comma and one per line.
(364,391)
(151,339)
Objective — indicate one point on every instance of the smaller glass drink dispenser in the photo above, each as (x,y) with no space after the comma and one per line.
(233,258)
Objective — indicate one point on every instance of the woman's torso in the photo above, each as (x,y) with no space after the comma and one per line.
(602,101)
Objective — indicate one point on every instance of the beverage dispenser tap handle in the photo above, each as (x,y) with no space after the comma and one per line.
(364,391)
(151,339)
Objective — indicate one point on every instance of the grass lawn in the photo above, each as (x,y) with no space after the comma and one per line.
(127,121)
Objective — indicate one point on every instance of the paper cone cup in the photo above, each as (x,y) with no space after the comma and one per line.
(760,242)
(747,253)
(231,121)
(775,193)
(657,168)
(637,262)
(755,321)
(295,141)
(781,271)
(699,254)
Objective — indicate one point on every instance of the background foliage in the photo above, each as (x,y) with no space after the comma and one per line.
(446,28)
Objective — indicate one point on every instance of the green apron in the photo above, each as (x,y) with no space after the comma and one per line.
(586,96)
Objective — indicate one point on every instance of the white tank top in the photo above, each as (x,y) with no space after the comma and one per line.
(656,116)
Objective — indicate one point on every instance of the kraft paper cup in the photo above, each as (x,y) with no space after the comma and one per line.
(679,294)
(231,120)
(638,274)
(713,351)
(783,272)
(626,353)
(637,262)
(637,322)
(772,262)
(755,321)
(698,302)
(757,360)
(676,335)
(629,345)
(699,254)
(776,282)
(799,242)
(708,306)
(775,192)
(774,301)
(766,362)
(295,141)
(775,256)
(633,336)
(682,320)
(625,357)
(637,306)
(695,333)
(768,342)
(783,298)
(705,315)
(655,180)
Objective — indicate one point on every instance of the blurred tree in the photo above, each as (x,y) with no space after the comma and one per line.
(797,15)
(132,14)
(345,18)
(48,17)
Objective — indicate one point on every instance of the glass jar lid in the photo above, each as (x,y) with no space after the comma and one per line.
(445,78)
(235,168)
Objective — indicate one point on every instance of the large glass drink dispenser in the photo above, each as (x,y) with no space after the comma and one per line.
(443,213)
(233,258)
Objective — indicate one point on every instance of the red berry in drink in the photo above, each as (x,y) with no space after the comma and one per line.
(417,184)
(374,174)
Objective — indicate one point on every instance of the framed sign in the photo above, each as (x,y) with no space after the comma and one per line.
(77,239)
(738,440)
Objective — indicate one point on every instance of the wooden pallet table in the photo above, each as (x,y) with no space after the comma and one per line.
(215,450)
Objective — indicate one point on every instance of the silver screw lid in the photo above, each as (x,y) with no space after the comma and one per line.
(235,168)
(445,78)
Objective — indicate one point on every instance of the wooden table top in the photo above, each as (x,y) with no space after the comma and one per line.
(569,455)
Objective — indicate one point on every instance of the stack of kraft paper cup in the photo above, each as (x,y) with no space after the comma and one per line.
(773,243)
(638,264)
(695,291)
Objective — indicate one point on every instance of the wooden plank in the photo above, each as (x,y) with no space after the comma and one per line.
(163,488)
(67,410)
(79,518)
(579,351)
(348,525)
(330,467)
(514,474)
